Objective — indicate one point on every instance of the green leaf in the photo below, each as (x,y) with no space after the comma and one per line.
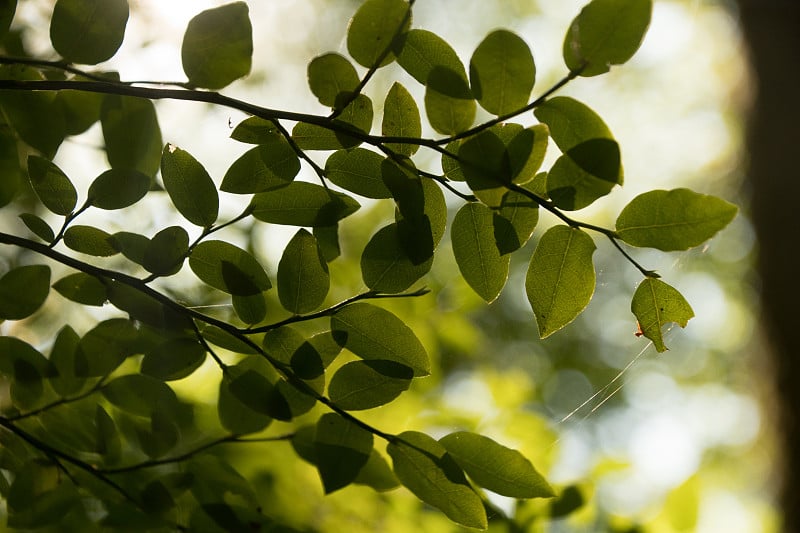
(7,11)
(341,449)
(156,441)
(116,189)
(218,46)
(35,116)
(250,308)
(448,102)
(385,264)
(131,245)
(236,415)
(401,119)
(82,288)
(673,220)
(108,441)
(173,359)
(226,340)
(374,28)
(377,474)
(26,367)
(38,226)
(328,241)
(356,118)
(228,268)
(52,186)
(367,384)
(476,253)
(146,309)
(140,395)
(23,290)
(131,133)
(332,79)
(9,164)
(560,280)
(514,222)
(105,347)
(166,251)
(502,72)
(421,52)
(495,467)
(359,171)
(303,278)
(605,33)
(62,357)
(89,240)
(289,346)
(426,469)
(88,31)
(255,130)
(80,109)
(256,392)
(571,122)
(302,204)
(371,332)
(189,186)
(271,165)
(38,498)
(655,303)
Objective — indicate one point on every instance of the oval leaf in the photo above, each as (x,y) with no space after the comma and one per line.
(140,395)
(236,415)
(228,268)
(115,189)
(560,280)
(673,220)
(23,290)
(88,31)
(255,130)
(271,165)
(476,252)
(359,171)
(374,28)
(571,122)
(105,347)
(332,79)
(426,469)
(655,303)
(82,288)
(218,46)
(502,72)
(189,186)
(495,467)
(131,133)
(371,332)
(401,119)
(303,279)
(52,186)
(89,240)
(355,118)
(605,33)
(166,251)
(302,204)
(173,359)
(385,263)
(341,449)
(514,222)
(367,384)
(38,226)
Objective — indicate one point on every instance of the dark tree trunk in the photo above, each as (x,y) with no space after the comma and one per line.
(772,31)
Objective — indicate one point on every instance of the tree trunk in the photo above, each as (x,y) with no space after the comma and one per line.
(772,31)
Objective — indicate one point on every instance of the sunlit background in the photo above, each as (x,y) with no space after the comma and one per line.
(673,442)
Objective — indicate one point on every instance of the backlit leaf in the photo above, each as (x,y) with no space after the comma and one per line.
(89,240)
(228,268)
(140,395)
(173,359)
(166,251)
(81,109)
(255,130)
(131,133)
(302,204)
(254,390)
(374,28)
(673,220)
(38,226)
(571,122)
(303,279)
(105,347)
(189,186)
(427,470)
(332,78)
(476,252)
(514,221)
(356,117)
(88,31)
(401,119)
(495,467)
(51,185)
(82,288)
(367,384)
(605,33)
(502,72)
(377,474)
(62,357)
(131,245)
(236,415)
(328,241)
(385,264)
(359,171)
(422,51)
(655,304)
(341,449)
(560,280)
(115,189)
(218,46)
(23,290)
(270,165)
(250,308)
(27,368)
(371,332)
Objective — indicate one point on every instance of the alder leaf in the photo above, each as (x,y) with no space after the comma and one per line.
(476,252)
(359,171)
(302,204)
(366,384)
(131,134)
(88,31)
(560,280)
(228,268)
(189,186)
(332,78)
(655,304)
(52,186)
(373,29)
(23,291)
(271,165)
(502,72)
(116,189)
(341,449)
(673,220)
(303,278)
(401,119)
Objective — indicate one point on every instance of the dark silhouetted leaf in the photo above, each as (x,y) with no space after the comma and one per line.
(166,251)
(131,245)
(218,46)
(89,240)
(38,226)
(82,288)
(228,268)
(140,395)
(9,164)
(385,264)
(52,186)
(23,290)
(250,308)
(173,359)
(235,413)
(115,189)
(131,133)
(356,117)
(62,357)
(303,279)
(105,347)
(341,449)
(88,31)
(189,186)
(255,130)
(270,165)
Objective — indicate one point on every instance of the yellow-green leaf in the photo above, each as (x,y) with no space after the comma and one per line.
(476,252)
(502,72)
(655,304)
(374,28)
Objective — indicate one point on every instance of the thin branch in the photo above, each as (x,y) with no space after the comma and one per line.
(62,401)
